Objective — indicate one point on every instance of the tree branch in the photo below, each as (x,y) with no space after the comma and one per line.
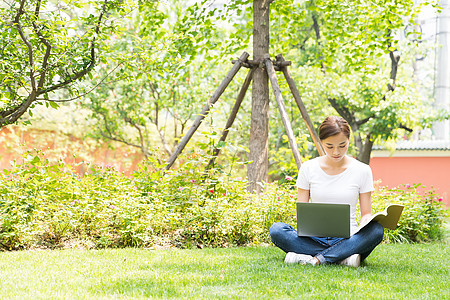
(45,42)
(16,114)
(111,136)
(364,121)
(395,58)
(16,22)
(405,128)
(116,139)
(13,114)
(84,94)
(157,97)
(141,137)
(317,32)
(343,111)
(92,58)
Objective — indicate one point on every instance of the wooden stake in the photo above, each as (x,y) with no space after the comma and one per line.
(302,107)
(223,85)
(232,116)
(281,107)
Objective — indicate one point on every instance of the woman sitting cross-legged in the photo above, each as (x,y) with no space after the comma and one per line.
(332,178)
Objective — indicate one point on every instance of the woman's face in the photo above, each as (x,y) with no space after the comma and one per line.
(336,146)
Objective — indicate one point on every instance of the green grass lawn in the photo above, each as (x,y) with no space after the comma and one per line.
(392,272)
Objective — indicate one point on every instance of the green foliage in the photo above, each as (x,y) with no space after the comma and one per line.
(158,61)
(51,202)
(282,160)
(45,205)
(48,46)
(152,93)
(353,58)
(166,58)
(423,215)
(342,62)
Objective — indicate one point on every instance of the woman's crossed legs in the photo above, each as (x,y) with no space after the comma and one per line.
(327,250)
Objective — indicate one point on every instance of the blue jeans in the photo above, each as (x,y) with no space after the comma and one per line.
(327,250)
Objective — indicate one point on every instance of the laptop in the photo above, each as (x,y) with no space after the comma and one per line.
(323,219)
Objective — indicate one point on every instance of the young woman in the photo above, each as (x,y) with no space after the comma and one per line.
(332,178)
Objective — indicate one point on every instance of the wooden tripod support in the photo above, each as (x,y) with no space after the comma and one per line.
(279,65)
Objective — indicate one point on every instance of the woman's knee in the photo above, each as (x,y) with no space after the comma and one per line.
(277,230)
(377,231)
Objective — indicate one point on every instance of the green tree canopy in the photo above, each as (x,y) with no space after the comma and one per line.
(166,76)
(148,59)
(353,58)
(47,46)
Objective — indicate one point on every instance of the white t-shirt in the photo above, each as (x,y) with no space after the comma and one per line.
(341,188)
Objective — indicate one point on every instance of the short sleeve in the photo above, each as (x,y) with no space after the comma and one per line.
(303,176)
(366,180)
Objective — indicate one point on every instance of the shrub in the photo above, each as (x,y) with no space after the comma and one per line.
(423,215)
(49,206)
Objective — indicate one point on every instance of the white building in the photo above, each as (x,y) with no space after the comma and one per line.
(436,27)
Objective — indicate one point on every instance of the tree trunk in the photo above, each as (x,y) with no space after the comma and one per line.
(364,153)
(257,171)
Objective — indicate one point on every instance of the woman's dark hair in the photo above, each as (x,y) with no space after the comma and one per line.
(332,126)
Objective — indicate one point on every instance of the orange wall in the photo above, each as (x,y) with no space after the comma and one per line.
(73,151)
(429,171)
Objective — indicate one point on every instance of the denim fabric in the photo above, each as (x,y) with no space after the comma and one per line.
(327,250)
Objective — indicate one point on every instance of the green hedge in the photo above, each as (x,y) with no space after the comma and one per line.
(45,205)
(422,218)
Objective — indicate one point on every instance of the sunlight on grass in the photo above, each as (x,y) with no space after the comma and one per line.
(392,272)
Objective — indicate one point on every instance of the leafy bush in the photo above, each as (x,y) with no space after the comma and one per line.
(422,217)
(45,205)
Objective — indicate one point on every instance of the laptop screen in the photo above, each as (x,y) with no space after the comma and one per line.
(323,219)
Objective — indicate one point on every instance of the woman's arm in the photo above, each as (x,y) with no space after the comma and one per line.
(365,204)
(303,195)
